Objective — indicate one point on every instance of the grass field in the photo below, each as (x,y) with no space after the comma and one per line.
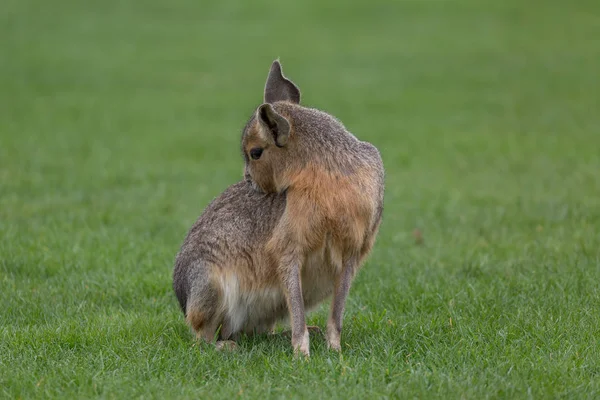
(121,120)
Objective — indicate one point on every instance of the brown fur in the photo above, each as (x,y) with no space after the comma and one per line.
(334,185)
(295,232)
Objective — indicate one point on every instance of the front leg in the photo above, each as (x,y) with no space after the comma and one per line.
(295,303)
(340,294)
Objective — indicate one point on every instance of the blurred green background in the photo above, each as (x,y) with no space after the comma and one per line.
(121,120)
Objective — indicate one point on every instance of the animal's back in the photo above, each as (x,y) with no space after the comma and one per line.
(228,235)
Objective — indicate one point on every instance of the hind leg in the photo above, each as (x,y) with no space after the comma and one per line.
(209,330)
(205,316)
(203,324)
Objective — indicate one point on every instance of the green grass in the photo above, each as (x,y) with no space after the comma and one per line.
(120,121)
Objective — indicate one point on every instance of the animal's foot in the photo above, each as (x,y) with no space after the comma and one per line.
(333,338)
(301,345)
(334,344)
(227,345)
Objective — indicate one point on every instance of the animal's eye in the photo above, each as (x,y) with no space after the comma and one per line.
(256,152)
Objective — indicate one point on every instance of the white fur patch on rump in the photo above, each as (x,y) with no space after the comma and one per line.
(247,310)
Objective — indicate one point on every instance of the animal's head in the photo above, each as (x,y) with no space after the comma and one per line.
(268,140)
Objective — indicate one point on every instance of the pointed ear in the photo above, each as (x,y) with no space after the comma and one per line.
(279,88)
(276,126)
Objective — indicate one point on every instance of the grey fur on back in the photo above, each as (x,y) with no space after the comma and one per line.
(232,226)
